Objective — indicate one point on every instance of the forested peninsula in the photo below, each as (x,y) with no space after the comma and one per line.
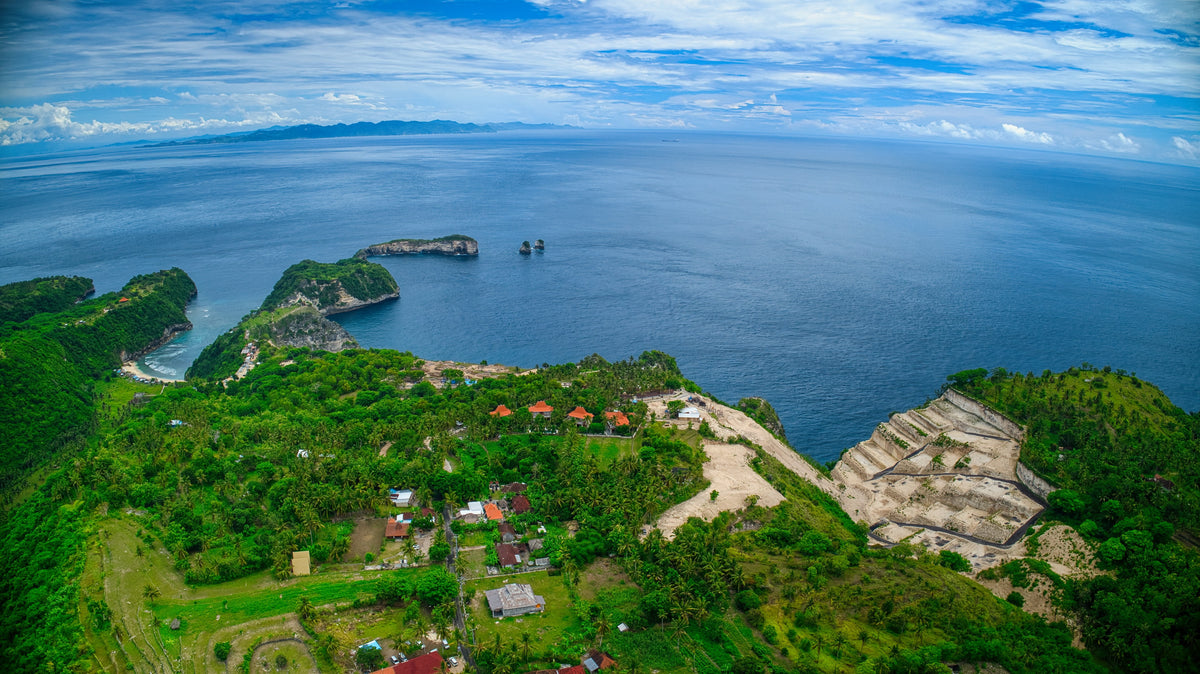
(330,509)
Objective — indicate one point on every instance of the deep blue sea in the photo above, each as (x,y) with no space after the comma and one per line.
(840,279)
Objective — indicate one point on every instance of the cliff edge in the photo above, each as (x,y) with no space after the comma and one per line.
(455,244)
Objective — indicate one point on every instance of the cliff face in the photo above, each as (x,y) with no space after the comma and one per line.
(449,245)
(331,297)
(169,333)
(306,327)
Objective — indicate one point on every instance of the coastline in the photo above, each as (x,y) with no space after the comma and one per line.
(132,369)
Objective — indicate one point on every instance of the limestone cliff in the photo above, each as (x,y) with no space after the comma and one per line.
(306,327)
(332,288)
(455,244)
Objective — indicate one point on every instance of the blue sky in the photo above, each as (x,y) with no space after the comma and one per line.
(1119,77)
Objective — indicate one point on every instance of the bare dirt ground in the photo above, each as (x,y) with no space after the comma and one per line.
(1066,552)
(728,468)
(433,370)
(367,536)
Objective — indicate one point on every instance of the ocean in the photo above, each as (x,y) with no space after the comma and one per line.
(840,279)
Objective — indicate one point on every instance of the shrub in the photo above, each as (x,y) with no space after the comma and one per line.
(221,650)
(747,600)
(1015,598)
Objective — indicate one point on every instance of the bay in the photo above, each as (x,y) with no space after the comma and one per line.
(839,279)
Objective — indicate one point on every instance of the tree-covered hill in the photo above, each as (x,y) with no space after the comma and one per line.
(51,361)
(23,299)
(325,285)
(1127,462)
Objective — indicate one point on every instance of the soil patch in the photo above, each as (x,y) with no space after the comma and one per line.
(728,469)
(367,537)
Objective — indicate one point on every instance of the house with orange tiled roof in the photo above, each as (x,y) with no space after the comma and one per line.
(540,408)
(493,512)
(500,411)
(617,418)
(396,529)
(581,416)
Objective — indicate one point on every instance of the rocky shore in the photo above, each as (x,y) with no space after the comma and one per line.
(455,244)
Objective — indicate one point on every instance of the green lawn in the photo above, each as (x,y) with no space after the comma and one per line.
(546,628)
(608,450)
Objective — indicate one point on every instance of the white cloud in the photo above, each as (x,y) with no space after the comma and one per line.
(1023,134)
(1188,149)
(1119,142)
(49,122)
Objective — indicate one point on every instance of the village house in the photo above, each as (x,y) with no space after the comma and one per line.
(300,563)
(507,554)
(424,664)
(401,498)
(513,488)
(690,413)
(493,512)
(500,411)
(472,513)
(541,409)
(508,533)
(520,504)
(581,416)
(596,660)
(616,419)
(397,529)
(514,599)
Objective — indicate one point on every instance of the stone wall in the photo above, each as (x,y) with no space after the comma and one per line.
(1010,427)
(1036,484)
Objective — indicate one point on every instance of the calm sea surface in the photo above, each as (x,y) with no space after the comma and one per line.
(841,280)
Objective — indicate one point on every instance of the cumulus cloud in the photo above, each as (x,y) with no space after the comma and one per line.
(50,122)
(1119,142)
(1023,134)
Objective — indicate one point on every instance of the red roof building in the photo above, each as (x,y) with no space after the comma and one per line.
(123,299)
(580,415)
(507,554)
(493,513)
(500,411)
(396,529)
(424,664)
(520,504)
(617,418)
(540,407)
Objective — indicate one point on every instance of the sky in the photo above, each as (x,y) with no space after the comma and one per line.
(1115,77)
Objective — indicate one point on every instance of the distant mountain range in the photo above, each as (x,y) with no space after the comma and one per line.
(387,128)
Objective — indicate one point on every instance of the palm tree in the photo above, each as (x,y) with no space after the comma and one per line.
(150,592)
(819,640)
(838,643)
(864,637)
(525,646)
(306,608)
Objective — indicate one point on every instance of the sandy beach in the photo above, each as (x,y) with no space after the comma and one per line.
(131,368)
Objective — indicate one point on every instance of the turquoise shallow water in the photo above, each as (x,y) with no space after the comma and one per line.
(839,279)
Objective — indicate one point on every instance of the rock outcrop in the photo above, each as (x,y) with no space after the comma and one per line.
(455,244)
(307,327)
(169,333)
(945,475)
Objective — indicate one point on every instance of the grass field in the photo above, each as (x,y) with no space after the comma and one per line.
(548,630)
(121,566)
(608,450)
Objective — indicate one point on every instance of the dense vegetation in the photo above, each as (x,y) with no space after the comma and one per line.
(321,282)
(51,361)
(23,299)
(1125,459)
(222,481)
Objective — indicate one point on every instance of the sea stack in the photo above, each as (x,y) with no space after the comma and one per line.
(525,249)
(539,245)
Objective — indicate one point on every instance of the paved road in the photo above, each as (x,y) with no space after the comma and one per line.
(459,617)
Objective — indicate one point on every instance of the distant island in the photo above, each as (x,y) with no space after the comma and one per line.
(455,244)
(385,128)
